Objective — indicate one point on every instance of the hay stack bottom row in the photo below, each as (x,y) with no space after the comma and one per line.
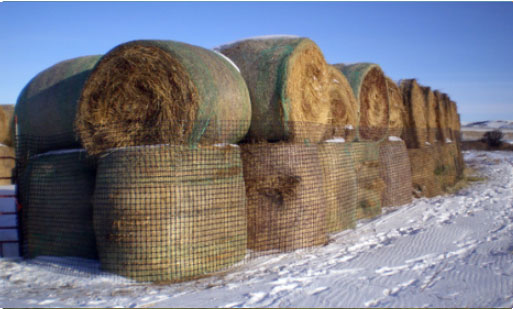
(172,213)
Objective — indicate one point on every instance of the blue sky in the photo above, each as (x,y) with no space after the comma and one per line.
(463,49)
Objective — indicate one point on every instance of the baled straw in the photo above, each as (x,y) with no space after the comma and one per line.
(370,89)
(46,108)
(168,213)
(395,170)
(7,125)
(370,185)
(285,191)
(287,80)
(423,165)
(430,108)
(398,115)
(158,92)
(344,114)
(340,186)
(56,192)
(415,131)
(7,164)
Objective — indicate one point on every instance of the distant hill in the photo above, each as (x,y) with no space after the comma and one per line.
(489,125)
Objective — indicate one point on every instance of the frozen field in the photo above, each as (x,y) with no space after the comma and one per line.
(449,251)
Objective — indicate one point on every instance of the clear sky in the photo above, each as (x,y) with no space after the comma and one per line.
(463,49)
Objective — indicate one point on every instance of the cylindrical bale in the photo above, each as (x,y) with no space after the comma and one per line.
(340,186)
(430,108)
(448,167)
(162,92)
(415,131)
(395,170)
(169,213)
(287,80)
(369,86)
(344,117)
(370,185)
(398,115)
(7,125)
(423,165)
(441,117)
(47,106)
(56,190)
(453,120)
(285,191)
(7,164)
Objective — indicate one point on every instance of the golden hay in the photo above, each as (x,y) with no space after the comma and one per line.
(340,186)
(370,185)
(395,170)
(7,164)
(414,134)
(344,117)
(398,115)
(287,80)
(159,92)
(441,117)
(423,165)
(430,107)
(7,125)
(168,213)
(285,190)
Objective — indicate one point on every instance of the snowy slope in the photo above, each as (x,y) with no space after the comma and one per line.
(450,251)
(489,125)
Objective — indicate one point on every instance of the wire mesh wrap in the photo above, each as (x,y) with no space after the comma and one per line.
(370,185)
(340,187)
(168,213)
(395,170)
(285,191)
(371,92)
(7,165)
(56,192)
(287,80)
(159,92)
(47,106)
(423,164)
(415,133)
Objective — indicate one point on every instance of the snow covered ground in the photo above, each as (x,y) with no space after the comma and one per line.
(449,251)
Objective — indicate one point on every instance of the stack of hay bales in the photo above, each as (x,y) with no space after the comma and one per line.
(178,206)
(55,189)
(395,170)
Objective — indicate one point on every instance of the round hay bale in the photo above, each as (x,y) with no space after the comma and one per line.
(441,117)
(56,191)
(344,117)
(415,133)
(373,107)
(7,164)
(370,185)
(395,170)
(430,107)
(398,115)
(7,125)
(448,168)
(162,92)
(169,213)
(423,165)
(47,106)
(285,191)
(340,186)
(287,80)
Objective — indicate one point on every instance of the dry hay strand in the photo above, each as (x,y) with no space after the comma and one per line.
(415,133)
(423,165)
(169,213)
(398,115)
(454,122)
(7,125)
(288,84)
(162,92)
(430,107)
(340,186)
(46,107)
(344,117)
(395,170)
(442,117)
(56,192)
(369,86)
(286,202)
(7,164)
(370,185)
